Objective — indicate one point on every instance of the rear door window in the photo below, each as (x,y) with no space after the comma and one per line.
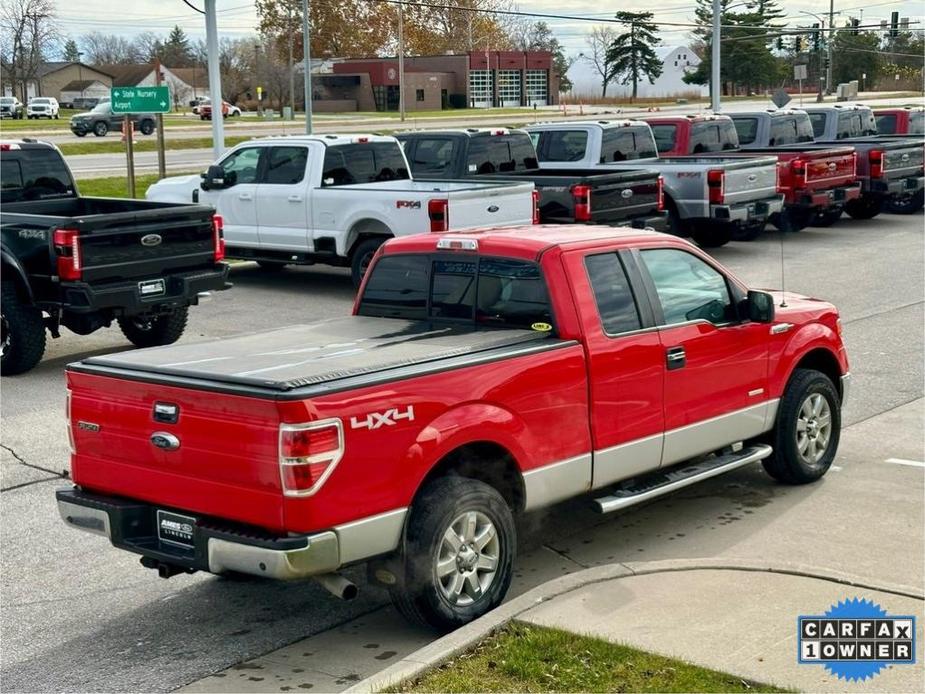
(490,154)
(368,162)
(616,305)
(285,165)
(562,145)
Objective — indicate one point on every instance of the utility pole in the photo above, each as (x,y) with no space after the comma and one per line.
(714,64)
(831,41)
(291,74)
(161,157)
(215,80)
(307,61)
(401,61)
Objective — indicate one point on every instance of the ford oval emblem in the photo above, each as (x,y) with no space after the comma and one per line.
(833,166)
(493,208)
(627,193)
(165,441)
(752,178)
(151,240)
(905,157)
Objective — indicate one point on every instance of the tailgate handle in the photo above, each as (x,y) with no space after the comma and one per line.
(295,198)
(245,196)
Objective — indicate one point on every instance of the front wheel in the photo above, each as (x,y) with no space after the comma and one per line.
(909,204)
(100,129)
(864,207)
(362,257)
(808,429)
(458,554)
(22,330)
(146,127)
(153,331)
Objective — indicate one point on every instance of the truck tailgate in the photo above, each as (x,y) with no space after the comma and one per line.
(628,195)
(490,205)
(755,182)
(827,169)
(227,464)
(903,159)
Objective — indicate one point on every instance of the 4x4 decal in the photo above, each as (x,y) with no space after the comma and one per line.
(374,420)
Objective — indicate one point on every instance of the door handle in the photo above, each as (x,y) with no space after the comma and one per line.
(675,358)
(295,198)
(245,196)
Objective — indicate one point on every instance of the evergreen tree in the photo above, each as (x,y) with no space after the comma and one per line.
(71,52)
(176,50)
(631,56)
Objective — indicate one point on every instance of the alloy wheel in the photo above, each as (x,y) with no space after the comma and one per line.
(467,560)
(814,428)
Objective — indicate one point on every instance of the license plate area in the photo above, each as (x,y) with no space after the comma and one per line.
(912,183)
(176,530)
(151,288)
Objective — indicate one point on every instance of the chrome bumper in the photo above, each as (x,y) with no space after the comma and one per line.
(845,388)
(744,212)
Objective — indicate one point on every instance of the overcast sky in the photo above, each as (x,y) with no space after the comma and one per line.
(239,18)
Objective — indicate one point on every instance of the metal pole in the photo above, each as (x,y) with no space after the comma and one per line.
(714,71)
(401,61)
(307,77)
(828,71)
(127,133)
(291,73)
(215,80)
(161,154)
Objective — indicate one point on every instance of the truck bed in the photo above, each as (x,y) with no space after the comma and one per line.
(323,356)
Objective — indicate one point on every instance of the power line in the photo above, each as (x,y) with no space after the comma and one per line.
(192,6)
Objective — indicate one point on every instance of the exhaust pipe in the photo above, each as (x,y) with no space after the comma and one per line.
(338,586)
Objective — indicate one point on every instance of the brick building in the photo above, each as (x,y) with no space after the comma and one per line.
(480,79)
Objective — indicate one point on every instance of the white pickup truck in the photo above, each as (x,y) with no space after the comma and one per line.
(335,199)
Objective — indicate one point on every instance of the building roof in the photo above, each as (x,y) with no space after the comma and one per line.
(197,77)
(79,85)
(126,75)
(55,65)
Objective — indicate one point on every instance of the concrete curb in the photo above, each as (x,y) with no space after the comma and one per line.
(448,647)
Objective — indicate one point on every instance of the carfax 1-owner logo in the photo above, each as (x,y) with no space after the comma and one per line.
(856,639)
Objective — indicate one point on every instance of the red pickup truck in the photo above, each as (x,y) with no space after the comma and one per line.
(905,120)
(817,180)
(481,375)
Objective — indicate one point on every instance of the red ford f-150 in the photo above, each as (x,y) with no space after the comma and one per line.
(481,375)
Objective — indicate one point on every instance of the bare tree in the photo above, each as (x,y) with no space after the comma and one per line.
(29,35)
(598,41)
(109,49)
(146,46)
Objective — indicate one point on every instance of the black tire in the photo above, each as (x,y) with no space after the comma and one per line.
(146,127)
(100,129)
(423,597)
(827,218)
(676,225)
(787,464)
(23,332)
(864,207)
(362,255)
(792,220)
(142,331)
(271,265)
(909,204)
(81,134)
(712,236)
(748,232)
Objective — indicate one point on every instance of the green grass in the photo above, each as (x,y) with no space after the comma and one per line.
(117,186)
(63,123)
(523,658)
(145,143)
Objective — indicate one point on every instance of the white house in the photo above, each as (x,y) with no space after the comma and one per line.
(677,61)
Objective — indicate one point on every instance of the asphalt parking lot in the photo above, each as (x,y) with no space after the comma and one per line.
(79,615)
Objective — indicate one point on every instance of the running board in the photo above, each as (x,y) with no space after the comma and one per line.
(656,484)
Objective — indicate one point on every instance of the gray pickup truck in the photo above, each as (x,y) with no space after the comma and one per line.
(891,169)
(713,199)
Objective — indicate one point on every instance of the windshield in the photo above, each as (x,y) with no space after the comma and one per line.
(485,291)
(101,108)
(41,101)
(6,100)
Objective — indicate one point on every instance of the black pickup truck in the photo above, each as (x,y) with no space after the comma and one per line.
(84,262)
(619,198)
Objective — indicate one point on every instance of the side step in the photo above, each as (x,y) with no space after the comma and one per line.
(656,484)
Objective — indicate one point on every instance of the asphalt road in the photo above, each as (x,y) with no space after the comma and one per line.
(81,616)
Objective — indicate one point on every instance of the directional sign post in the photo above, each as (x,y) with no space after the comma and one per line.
(141,99)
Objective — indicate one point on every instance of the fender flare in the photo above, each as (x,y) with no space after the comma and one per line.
(808,338)
(8,259)
(353,233)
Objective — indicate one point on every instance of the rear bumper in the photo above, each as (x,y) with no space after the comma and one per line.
(897,187)
(821,199)
(126,299)
(216,547)
(745,213)
(658,222)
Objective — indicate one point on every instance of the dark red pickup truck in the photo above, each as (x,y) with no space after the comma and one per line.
(482,375)
(905,120)
(817,180)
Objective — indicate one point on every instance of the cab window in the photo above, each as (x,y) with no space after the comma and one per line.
(561,145)
(490,154)
(783,131)
(817,120)
(433,157)
(370,162)
(285,165)
(622,144)
(613,295)
(713,136)
(688,289)
(666,136)
(241,165)
(886,124)
(747,129)
(917,123)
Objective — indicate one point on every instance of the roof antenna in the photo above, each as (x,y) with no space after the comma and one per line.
(783,296)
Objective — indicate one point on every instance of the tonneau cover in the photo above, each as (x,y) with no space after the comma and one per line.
(304,355)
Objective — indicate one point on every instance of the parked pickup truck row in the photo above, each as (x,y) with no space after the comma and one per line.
(483,374)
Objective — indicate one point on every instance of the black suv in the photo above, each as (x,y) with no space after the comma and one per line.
(100,120)
(86,262)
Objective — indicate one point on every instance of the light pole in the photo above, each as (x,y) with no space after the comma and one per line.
(80,73)
(307,62)
(215,80)
(401,61)
(829,52)
(715,58)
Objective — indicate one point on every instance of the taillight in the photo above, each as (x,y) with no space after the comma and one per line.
(67,248)
(660,194)
(799,173)
(70,430)
(876,163)
(218,237)
(716,182)
(854,164)
(439,213)
(581,194)
(308,454)
(536,207)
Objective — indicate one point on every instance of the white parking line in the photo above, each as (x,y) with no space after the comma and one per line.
(903,461)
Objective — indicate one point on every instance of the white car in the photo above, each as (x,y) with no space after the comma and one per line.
(233,111)
(42,107)
(335,199)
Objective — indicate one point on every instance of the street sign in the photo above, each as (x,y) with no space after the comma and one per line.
(780,98)
(799,72)
(141,99)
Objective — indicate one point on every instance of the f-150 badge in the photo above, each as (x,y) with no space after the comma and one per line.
(374,420)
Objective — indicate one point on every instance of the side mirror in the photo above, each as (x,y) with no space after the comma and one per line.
(214,178)
(760,306)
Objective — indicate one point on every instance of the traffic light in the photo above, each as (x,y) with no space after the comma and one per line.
(798,44)
(780,43)
(817,38)
(894,24)
(855,23)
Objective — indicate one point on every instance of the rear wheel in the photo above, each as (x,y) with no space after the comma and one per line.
(676,225)
(152,331)
(458,554)
(864,207)
(827,218)
(909,204)
(712,236)
(808,429)
(362,257)
(100,129)
(146,127)
(22,331)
